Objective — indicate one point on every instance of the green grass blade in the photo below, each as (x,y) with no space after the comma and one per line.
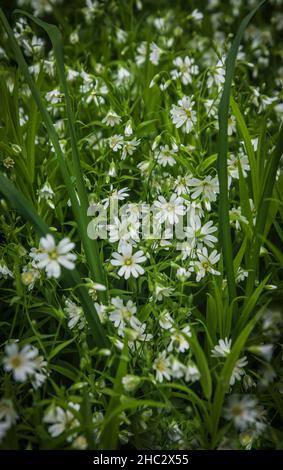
(248,145)
(224,226)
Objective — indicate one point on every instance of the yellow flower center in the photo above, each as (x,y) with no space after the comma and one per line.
(205,265)
(128,261)
(161,366)
(188,113)
(53,255)
(237,410)
(126,314)
(16,362)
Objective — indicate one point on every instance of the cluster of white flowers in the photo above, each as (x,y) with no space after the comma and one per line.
(169,367)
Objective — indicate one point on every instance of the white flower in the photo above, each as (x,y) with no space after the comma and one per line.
(7,412)
(264,350)
(236,216)
(181,184)
(4,427)
(51,256)
(165,320)
(75,314)
(123,77)
(123,315)
(94,287)
(115,196)
(130,382)
(211,108)
(112,169)
(177,368)
(162,291)
(129,262)
(205,263)
(185,69)
(179,340)
(116,142)
(197,15)
(138,334)
(183,115)
(238,370)
(155,53)
(111,118)
(4,270)
(207,189)
(197,233)
(165,156)
(46,193)
(233,165)
(128,129)
(162,367)
(29,276)
(121,36)
(80,443)
(217,75)
(231,125)
(183,274)
(141,53)
(20,362)
(241,274)
(129,146)
(8,416)
(101,311)
(222,349)
(61,420)
(169,210)
(243,412)
(192,374)
(39,376)
(125,231)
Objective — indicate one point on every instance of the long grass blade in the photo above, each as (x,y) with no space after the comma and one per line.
(224,226)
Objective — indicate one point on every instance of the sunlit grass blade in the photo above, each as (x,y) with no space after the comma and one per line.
(224,226)
(73,278)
